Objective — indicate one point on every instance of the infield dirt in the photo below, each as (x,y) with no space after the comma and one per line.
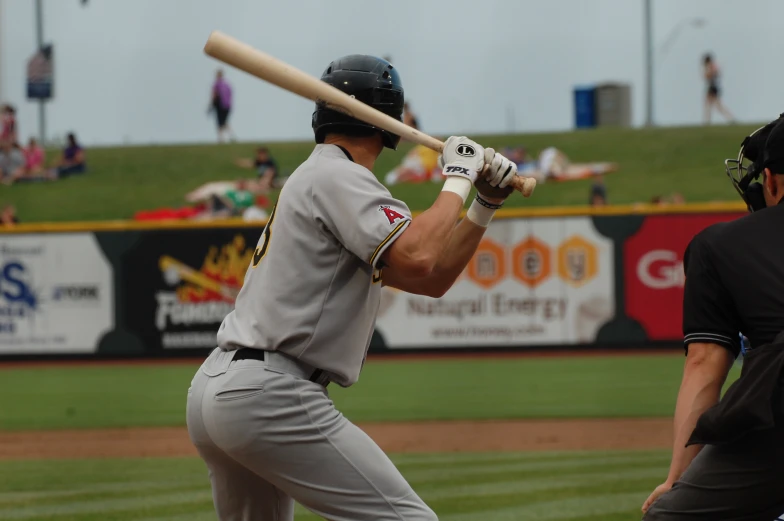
(457,436)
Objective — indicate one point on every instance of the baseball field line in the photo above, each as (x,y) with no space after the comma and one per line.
(7,499)
(597,505)
(159,493)
(437,474)
(540,484)
(107,506)
(192,488)
(468,458)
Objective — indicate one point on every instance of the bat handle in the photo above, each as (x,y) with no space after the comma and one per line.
(524,185)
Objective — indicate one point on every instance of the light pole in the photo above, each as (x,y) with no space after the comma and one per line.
(697,23)
(1,53)
(665,47)
(648,23)
(39,36)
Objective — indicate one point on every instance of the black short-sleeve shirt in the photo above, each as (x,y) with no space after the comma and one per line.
(262,167)
(735,281)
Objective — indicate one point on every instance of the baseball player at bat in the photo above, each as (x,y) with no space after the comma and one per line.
(258,410)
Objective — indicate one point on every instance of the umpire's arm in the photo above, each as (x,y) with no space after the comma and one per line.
(711,339)
(704,374)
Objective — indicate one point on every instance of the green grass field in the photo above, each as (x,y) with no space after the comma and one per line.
(459,487)
(122,396)
(652,162)
(580,485)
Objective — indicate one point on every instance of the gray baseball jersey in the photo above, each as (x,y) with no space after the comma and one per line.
(313,288)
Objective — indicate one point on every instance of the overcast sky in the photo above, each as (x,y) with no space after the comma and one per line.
(133,71)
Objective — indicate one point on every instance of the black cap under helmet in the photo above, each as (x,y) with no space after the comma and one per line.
(372,81)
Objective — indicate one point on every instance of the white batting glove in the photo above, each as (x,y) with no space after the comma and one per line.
(462,158)
(461,162)
(499,171)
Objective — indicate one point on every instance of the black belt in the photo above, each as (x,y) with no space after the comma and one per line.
(247,353)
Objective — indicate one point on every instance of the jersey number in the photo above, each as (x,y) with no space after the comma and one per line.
(261,249)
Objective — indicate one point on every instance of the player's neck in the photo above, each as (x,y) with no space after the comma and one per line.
(364,150)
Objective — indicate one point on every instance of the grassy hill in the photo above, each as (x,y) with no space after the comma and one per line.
(652,162)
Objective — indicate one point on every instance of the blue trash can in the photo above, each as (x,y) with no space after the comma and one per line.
(585,107)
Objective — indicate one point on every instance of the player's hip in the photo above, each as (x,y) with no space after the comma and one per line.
(243,402)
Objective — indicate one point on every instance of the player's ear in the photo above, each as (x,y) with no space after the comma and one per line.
(771,183)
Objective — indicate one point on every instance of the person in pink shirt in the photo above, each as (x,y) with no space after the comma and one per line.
(220,103)
(33,168)
(34,158)
(7,124)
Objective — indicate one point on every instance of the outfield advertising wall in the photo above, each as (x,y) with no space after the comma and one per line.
(541,281)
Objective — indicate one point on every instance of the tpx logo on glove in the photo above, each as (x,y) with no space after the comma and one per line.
(457,169)
(465,150)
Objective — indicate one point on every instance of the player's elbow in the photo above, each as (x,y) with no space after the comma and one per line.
(416,265)
(436,290)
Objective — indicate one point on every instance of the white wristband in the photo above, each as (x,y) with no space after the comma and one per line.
(459,185)
(480,214)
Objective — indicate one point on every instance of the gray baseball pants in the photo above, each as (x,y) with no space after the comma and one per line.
(270,437)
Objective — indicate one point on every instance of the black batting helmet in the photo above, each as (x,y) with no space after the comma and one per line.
(372,81)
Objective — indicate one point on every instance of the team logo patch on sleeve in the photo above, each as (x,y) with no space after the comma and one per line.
(392,215)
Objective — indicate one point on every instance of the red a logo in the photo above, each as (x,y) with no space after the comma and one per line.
(392,215)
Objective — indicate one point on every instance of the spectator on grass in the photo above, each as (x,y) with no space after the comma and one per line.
(8,124)
(34,158)
(598,193)
(409,118)
(229,203)
(518,155)
(677,198)
(8,216)
(12,161)
(72,161)
(220,102)
(710,71)
(33,164)
(267,171)
(257,212)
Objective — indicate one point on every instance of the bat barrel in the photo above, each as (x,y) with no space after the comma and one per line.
(257,63)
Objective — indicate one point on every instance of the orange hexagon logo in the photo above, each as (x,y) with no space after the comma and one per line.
(531,261)
(577,261)
(488,265)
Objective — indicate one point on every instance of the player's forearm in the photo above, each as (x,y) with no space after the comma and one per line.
(463,242)
(420,247)
(703,377)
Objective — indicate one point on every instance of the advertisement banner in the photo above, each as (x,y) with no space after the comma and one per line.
(531,282)
(56,294)
(653,270)
(183,283)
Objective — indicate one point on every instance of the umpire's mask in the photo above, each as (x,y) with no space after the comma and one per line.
(747,168)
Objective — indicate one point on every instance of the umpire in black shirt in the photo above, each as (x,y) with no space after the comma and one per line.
(728,456)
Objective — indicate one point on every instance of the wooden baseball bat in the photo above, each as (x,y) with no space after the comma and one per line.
(244,57)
